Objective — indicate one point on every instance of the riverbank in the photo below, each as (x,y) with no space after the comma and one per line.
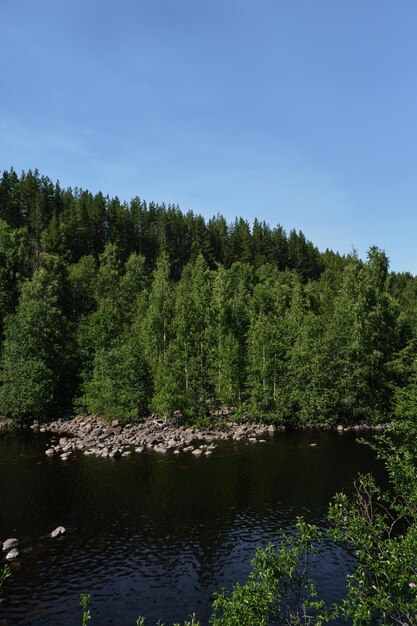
(93,436)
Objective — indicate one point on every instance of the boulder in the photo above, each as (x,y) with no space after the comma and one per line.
(13,554)
(9,544)
(59,530)
(197,452)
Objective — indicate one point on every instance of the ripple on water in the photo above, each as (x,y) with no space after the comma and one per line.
(155,535)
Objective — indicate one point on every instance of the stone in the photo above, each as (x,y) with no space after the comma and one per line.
(9,544)
(339,428)
(115,423)
(59,530)
(13,554)
(272,428)
(49,451)
(197,452)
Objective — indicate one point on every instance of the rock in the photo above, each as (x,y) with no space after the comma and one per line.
(59,530)
(9,544)
(115,454)
(272,428)
(139,450)
(262,440)
(49,451)
(65,456)
(339,428)
(63,441)
(13,554)
(115,423)
(127,453)
(197,452)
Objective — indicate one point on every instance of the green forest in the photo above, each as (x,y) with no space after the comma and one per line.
(126,309)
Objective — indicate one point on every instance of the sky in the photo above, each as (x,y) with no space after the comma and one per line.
(298,112)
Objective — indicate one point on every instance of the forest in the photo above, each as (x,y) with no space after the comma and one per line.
(126,309)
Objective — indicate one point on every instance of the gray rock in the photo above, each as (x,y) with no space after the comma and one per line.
(197,452)
(59,530)
(13,554)
(9,544)
(49,451)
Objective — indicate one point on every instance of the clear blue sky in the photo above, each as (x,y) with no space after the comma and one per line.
(298,112)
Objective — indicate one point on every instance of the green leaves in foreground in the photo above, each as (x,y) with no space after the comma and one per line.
(4,574)
(279,589)
(382,528)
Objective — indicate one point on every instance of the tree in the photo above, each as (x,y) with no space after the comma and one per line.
(36,371)
(190,344)
(120,387)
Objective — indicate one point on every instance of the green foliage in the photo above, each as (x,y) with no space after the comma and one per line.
(381,526)
(85,601)
(279,589)
(237,317)
(36,365)
(120,387)
(4,575)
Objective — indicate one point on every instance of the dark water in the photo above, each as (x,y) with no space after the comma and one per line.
(154,535)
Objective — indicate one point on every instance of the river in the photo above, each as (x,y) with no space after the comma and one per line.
(154,534)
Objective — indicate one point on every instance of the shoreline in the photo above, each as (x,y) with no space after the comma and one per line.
(93,436)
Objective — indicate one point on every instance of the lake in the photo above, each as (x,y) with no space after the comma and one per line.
(155,535)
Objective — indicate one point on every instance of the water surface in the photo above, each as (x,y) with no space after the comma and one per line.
(154,534)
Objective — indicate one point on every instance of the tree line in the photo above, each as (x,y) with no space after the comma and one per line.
(130,309)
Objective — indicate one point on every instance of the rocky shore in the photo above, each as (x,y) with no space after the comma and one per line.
(92,436)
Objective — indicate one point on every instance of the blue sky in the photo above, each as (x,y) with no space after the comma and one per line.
(298,112)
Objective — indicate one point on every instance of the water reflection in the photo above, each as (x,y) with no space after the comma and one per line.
(155,535)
